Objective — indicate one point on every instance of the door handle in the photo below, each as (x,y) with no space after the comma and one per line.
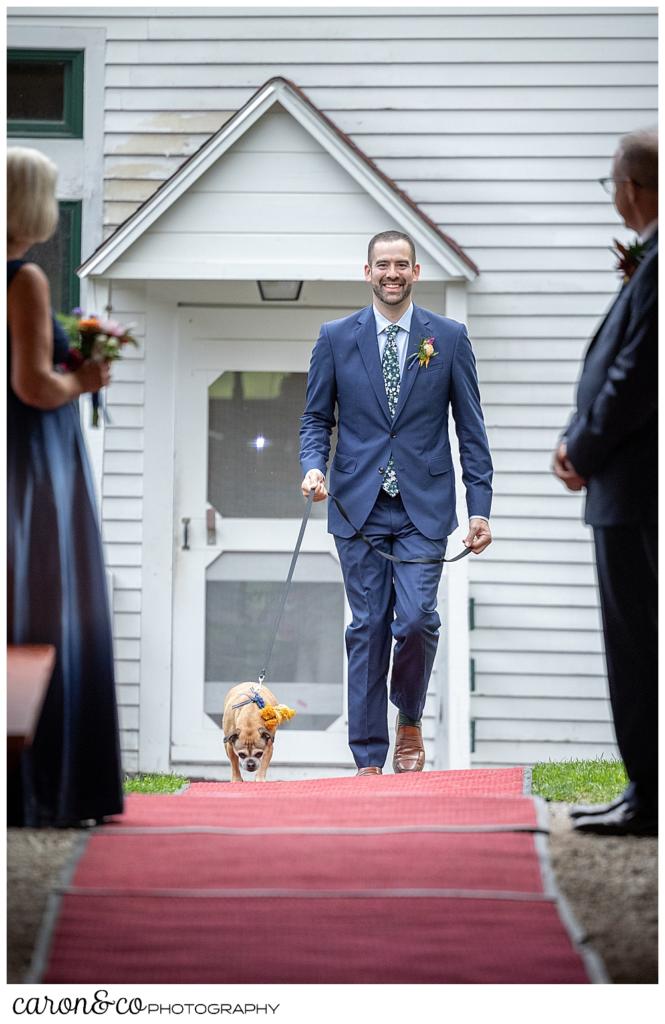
(211,526)
(185,541)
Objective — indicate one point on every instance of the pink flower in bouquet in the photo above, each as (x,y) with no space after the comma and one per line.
(114,330)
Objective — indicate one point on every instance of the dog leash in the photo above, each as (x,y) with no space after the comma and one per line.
(384,554)
(391,558)
(264,671)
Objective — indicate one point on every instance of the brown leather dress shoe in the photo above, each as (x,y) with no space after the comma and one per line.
(409,755)
(370,770)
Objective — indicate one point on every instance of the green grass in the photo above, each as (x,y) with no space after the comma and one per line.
(150,783)
(564,781)
(588,782)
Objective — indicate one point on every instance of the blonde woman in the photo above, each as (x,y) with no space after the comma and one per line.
(56,579)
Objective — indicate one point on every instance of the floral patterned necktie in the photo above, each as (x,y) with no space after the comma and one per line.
(391,377)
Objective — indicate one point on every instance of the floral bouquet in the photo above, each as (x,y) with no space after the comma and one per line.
(97,339)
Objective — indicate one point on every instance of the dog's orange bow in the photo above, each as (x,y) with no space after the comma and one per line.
(274,715)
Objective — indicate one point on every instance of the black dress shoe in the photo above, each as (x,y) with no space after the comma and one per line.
(623,820)
(583,810)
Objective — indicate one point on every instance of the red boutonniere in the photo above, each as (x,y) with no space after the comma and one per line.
(425,352)
(628,258)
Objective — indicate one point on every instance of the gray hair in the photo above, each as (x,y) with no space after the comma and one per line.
(637,157)
(32,209)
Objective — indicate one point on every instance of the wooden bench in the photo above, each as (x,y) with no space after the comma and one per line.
(29,670)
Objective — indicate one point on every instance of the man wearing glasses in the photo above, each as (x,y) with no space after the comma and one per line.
(610,447)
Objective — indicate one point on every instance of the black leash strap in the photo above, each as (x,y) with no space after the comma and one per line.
(393,558)
(264,671)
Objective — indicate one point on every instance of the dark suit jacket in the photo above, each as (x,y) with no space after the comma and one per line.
(612,439)
(345,371)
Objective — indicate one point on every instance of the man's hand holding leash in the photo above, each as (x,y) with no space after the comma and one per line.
(314,480)
(479,536)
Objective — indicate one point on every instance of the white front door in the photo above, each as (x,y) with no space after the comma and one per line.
(238,510)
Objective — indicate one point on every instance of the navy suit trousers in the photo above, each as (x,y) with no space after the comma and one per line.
(388,601)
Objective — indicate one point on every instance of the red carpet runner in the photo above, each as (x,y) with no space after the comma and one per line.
(438,877)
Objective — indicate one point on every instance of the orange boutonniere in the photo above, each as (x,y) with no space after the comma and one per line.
(425,352)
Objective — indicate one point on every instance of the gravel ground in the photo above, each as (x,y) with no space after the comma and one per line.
(610,884)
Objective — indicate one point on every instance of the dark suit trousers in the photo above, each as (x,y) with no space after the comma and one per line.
(627,562)
(388,601)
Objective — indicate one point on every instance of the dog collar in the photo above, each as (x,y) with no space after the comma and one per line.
(252,698)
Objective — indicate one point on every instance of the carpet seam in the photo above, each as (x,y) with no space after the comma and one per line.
(47,926)
(593,963)
(374,792)
(319,830)
(221,894)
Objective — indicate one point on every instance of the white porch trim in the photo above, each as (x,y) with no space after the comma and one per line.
(444,252)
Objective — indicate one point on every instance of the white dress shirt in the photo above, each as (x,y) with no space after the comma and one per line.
(402,337)
(402,341)
(649,230)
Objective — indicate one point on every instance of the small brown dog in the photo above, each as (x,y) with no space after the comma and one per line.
(248,740)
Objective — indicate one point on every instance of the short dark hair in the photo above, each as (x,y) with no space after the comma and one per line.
(391,236)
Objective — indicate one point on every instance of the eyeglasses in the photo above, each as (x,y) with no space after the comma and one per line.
(609,184)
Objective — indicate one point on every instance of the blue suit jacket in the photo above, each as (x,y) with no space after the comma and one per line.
(612,439)
(345,371)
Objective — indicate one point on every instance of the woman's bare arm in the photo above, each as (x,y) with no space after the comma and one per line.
(33,378)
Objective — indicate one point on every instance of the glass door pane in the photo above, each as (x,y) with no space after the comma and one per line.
(253,445)
(243,596)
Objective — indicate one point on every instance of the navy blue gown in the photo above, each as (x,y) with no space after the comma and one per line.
(57,595)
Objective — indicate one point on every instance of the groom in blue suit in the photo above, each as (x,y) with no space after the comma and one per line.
(393,370)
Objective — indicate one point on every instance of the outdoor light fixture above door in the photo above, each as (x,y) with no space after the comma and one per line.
(280,291)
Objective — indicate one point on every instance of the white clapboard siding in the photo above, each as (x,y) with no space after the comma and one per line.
(129,744)
(129,693)
(128,718)
(550,618)
(503,597)
(490,685)
(119,439)
(313,77)
(353,98)
(122,509)
(497,121)
(533,507)
(128,676)
(497,25)
(127,601)
(395,51)
(119,530)
(550,709)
